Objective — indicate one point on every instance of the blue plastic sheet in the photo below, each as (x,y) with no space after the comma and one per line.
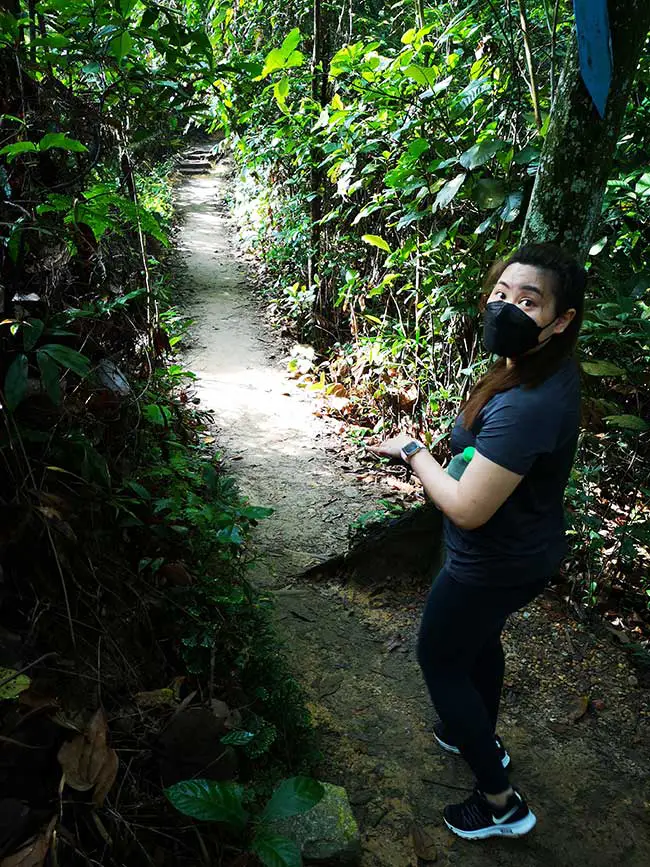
(595,49)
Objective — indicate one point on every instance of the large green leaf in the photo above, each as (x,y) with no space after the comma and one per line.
(291,42)
(376,241)
(60,140)
(293,796)
(11,151)
(50,376)
(16,382)
(489,193)
(470,94)
(121,44)
(68,358)
(481,153)
(602,368)
(628,422)
(210,801)
(276,851)
(448,192)
(32,330)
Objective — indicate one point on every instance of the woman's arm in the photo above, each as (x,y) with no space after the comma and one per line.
(470,502)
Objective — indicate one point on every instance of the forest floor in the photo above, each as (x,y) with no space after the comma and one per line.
(576,714)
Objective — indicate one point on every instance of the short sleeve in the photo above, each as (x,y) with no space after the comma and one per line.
(517,428)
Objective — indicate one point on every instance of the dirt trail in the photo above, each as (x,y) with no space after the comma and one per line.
(352,647)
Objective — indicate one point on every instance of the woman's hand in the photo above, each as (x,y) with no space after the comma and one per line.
(392,448)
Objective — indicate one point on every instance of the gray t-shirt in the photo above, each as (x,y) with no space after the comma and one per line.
(532,432)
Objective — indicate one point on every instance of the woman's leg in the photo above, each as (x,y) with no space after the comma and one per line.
(487,674)
(460,621)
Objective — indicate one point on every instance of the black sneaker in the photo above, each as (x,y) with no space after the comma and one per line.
(476,819)
(446,744)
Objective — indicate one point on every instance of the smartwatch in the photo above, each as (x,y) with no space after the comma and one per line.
(411,449)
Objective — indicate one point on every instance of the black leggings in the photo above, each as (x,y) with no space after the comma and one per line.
(460,654)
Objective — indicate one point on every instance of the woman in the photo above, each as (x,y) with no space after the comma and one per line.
(504,528)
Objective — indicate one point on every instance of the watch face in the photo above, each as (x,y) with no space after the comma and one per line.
(411,448)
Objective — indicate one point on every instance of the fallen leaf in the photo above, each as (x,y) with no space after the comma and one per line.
(578,708)
(337,389)
(87,760)
(423,843)
(106,778)
(155,698)
(33,854)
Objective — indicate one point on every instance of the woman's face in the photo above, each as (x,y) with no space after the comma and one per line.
(531,289)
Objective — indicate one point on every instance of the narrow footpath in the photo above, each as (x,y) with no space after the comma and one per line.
(576,714)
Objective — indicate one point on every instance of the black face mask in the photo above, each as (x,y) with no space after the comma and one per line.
(508,331)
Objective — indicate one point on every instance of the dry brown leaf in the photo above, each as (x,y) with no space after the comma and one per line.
(106,778)
(86,760)
(70,759)
(337,389)
(33,854)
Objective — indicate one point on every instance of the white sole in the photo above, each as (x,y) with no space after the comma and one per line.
(448,748)
(511,829)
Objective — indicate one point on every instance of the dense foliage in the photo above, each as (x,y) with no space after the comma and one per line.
(419,149)
(124,544)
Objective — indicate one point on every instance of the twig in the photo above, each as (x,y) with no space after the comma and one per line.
(63,585)
(529,63)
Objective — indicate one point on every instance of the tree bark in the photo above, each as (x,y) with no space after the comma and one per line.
(579,148)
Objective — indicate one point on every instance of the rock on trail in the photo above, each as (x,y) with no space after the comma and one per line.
(352,645)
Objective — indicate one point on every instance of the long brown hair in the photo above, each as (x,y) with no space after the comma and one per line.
(568,287)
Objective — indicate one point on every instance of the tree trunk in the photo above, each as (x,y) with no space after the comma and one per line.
(577,155)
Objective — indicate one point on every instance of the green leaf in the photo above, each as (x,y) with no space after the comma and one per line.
(20,147)
(276,851)
(149,17)
(153,413)
(59,140)
(529,154)
(481,153)
(627,422)
(602,368)
(68,358)
(16,382)
(50,376)
(32,330)
(422,75)
(376,241)
(126,7)
(293,796)
(291,42)
(281,91)
(121,44)
(18,684)
(273,60)
(470,94)
(231,534)
(448,192)
(489,193)
(237,739)
(209,801)
(255,513)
